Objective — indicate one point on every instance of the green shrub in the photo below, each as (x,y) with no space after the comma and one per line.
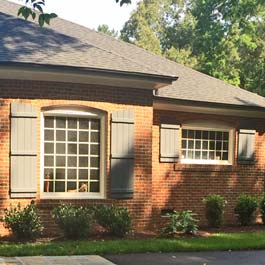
(262,209)
(214,209)
(75,222)
(245,208)
(182,221)
(116,220)
(23,222)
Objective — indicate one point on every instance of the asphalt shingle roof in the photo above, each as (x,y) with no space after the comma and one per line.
(66,43)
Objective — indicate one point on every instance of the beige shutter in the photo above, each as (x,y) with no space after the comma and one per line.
(122,154)
(169,142)
(23,150)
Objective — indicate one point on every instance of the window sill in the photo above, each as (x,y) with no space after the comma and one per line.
(72,196)
(205,162)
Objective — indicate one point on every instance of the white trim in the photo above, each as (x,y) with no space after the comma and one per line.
(211,126)
(70,112)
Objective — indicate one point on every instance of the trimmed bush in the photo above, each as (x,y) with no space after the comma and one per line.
(245,209)
(75,222)
(24,223)
(116,220)
(182,221)
(214,209)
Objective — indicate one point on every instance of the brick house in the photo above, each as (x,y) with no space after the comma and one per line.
(89,119)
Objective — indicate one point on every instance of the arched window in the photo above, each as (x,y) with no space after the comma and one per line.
(73,153)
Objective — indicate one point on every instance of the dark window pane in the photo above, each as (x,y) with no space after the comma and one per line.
(198,145)
(190,154)
(191,134)
(212,135)
(190,144)
(72,123)
(94,186)
(218,135)
(94,149)
(48,161)
(71,173)
(204,134)
(83,124)
(198,134)
(205,145)
(83,137)
(48,148)
(94,125)
(60,122)
(60,161)
(49,122)
(60,148)
(48,186)
(94,162)
(212,145)
(225,146)
(94,174)
(59,186)
(83,149)
(83,162)
(71,186)
(218,145)
(94,137)
(184,154)
(211,155)
(72,149)
(72,161)
(197,155)
(60,173)
(60,135)
(184,143)
(83,174)
(48,135)
(48,173)
(225,135)
(83,186)
(204,155)
(218,156)
(225,156)
(72,136)
(184,133)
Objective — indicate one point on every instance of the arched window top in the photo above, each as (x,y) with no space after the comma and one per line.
(73,110)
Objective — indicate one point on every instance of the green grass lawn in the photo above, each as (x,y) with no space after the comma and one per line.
(222,241)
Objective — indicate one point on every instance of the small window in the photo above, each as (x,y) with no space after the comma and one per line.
(72,156)
(206,145)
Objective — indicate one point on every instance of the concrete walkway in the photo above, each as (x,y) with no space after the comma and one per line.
(58,260)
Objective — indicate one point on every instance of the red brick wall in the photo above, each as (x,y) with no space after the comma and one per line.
(109,99)
(178,186)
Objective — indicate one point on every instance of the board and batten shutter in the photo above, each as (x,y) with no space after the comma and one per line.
(246,146)
(122,154)
(23,153)
(169,142)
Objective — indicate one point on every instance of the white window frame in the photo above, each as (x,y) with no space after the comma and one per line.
(211,126)
(76,113)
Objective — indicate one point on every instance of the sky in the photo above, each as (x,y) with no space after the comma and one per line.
(90,13)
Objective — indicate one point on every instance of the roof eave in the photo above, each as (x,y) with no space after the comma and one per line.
(164,103)
(73,74)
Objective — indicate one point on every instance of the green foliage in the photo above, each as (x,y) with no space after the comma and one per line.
(75,222)
(34,8)
(182,221)
(106,30)
(245,209)
(262,208)
(23,222)
(214,209)
(116,220)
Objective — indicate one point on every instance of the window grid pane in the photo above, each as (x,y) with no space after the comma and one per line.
(205,145)
(69,163)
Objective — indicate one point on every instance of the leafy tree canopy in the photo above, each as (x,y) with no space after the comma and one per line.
(106,30)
